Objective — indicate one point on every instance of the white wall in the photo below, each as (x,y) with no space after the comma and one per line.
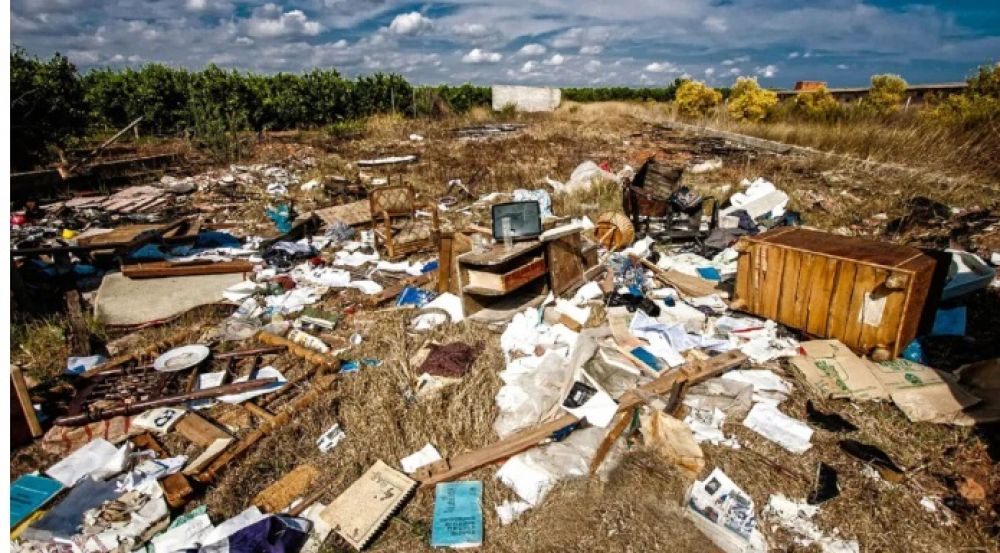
(526,98)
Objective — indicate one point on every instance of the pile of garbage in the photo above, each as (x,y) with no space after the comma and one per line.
(606,339)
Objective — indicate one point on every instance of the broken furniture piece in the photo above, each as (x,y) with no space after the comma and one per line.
(488,277)
(869,295)
(660,207)
(395,224)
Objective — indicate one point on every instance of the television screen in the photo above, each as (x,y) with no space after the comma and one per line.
(521,219)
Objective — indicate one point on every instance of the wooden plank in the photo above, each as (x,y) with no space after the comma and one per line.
(869,333)
(526,439)
(744,264)
(444,262)
(773,260)
(24,408)
(789,287)
(565,263)
(687,285)
(622,420)
(198,430)
(497,284)
(498,254)
(818,311)
(79,338)
(841,302)
(808,281)
(864,282)
(159,269)
(276,497)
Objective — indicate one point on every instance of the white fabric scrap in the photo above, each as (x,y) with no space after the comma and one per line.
(790,433)
(98,458)
(447,301)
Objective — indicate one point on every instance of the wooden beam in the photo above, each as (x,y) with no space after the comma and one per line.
(526,439)
(159,269)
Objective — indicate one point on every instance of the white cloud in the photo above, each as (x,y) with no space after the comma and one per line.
(556,59)
(662,67)
(592,66)
(842,66)
(208,6)
(793,55)
(767,71)
(477,55)
(412,23)
(807,55)
(715,24)
(269,21)
(734,61)
(529,66)
(734,71)
(591,50)
(710,71)
(533,49)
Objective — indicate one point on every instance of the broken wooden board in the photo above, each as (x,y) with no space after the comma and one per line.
(276,497)
(216,448)
(159,269)
(690,373)
(199,431)
(354,213)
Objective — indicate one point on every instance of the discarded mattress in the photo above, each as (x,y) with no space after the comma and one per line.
(125,301)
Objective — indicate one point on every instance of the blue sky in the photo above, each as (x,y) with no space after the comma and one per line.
(551,42)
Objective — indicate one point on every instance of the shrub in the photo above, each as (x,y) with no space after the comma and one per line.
(886,94)
(748,101)
(978,105)
(695,99)
(47,109)
(817,104)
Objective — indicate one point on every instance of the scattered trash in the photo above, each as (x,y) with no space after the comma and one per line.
(365,507)
(796,517)
(425,456)
(330,438)
(725,514)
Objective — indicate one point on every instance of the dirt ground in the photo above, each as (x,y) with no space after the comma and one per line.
(639,505)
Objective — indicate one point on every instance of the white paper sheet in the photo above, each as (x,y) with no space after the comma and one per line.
(791,434)
(425,456)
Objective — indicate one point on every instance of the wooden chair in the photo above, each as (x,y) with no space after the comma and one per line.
(395,225)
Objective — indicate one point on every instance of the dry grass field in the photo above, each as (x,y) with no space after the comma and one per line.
(637,506)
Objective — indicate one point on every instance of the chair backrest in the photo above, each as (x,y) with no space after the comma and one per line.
(394,200)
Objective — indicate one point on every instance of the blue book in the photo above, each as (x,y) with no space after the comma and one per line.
(458,514)
(28,494)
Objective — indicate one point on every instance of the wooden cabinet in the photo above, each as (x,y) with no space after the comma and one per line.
(869,295)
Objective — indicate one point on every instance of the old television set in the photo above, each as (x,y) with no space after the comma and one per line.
(521,220)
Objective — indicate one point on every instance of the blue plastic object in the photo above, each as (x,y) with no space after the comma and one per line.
(709,273)
(281,215)
(915,352)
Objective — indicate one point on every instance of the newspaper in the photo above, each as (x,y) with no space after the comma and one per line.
(725,514)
